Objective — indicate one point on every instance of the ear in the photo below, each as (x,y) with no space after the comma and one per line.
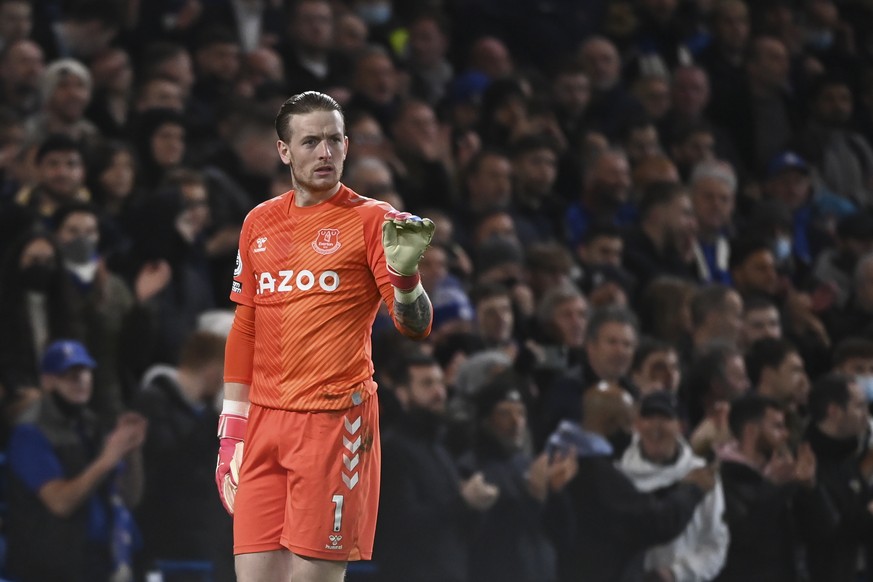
(285,152)
(345,146)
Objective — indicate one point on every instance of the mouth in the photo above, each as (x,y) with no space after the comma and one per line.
(323,170)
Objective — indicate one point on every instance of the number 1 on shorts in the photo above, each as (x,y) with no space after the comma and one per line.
(337,512)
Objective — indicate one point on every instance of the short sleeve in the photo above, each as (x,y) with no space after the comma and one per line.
(32,458)
(242,289)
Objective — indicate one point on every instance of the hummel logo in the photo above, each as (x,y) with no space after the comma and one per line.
(261,242)
(334,544)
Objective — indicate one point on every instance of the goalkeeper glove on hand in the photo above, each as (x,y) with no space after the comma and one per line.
(405,238)
(231,434)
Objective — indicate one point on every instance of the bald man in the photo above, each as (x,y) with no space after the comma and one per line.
(615,524)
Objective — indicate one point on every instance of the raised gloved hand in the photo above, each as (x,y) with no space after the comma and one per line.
(405,238)
(231,433)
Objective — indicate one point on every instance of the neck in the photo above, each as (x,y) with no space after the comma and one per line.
(304,197)
(191,385)
(829,428)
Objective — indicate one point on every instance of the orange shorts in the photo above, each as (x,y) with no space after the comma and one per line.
(309,482)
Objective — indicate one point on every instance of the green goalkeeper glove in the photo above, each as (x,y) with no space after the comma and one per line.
(405,238)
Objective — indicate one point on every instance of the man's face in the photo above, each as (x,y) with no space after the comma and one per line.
(536,171)
(434,267)
(78,225)
(790,381)
(220,60)
(643,143)
(611,351)
(713,202)
(376,78)
(496,225)
(728,321)
(495,319)
(571,319)
(427,43)
(312,27)
(857,366)
(770,64)
(773,435)
(161,93)
(603,250)
(659,437)
(180,68)
(70,98)
(490,186)
(761,323)
(611,179)
(690,91)
(854,419)
(23,66)
(74,385)
(417,129)
(508,422)
(168,145)
(316,150)
(736,380)
(681,222)
(653,94)
(792,186)
(660,371)
(602,63)
(62,173)
(732,26)
(758,273)
(16,21)
(426,389)
(834,105)
(697,147)
(572,92)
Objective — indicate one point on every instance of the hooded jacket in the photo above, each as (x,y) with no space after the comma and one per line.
(699,552)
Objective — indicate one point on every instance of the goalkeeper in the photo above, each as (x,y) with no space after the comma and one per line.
(299,454)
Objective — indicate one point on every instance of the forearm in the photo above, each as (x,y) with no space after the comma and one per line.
(133,479)
(413,312)
(63,497)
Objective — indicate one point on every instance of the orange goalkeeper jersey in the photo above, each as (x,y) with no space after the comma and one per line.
(316,276)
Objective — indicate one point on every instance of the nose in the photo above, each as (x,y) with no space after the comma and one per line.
(325,151)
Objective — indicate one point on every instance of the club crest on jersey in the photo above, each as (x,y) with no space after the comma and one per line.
(327,242)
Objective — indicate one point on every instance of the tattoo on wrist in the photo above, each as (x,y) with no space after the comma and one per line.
(414,316)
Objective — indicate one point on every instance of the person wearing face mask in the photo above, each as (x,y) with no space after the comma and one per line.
(615,522)
(853,357)
(35,307)
(101,300)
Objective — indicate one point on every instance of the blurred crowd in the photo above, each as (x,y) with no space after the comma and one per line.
(652,279)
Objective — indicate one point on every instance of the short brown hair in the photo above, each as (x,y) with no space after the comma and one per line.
(200,349)
(306,102)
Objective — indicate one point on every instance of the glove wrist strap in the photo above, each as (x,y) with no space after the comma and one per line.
(232,427)
(403,282)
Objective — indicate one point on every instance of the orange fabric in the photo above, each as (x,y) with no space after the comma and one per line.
(310,483)
(315,276)
(240,348)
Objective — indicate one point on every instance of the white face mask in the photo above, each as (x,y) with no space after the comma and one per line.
(782,248)
(866,384)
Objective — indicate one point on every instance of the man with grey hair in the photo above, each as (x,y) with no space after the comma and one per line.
(66,90)
(610,342)
(713,195)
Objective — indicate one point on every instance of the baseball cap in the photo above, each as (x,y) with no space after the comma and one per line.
(786,161)
(503,388)
(62,355)
(660,403)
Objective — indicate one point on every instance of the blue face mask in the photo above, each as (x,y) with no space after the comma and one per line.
(782,248)
(374,14)
(866,384)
